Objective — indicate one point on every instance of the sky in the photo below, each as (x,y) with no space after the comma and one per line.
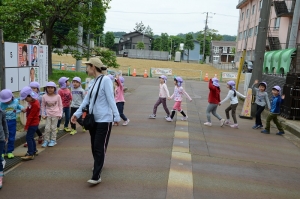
(173,16)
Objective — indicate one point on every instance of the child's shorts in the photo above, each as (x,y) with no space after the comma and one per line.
(177,106)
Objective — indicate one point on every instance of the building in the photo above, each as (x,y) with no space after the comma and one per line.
(130,41)
(222,51)
(194,55)
(279,30)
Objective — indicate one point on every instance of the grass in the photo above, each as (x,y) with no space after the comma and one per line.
(56,74)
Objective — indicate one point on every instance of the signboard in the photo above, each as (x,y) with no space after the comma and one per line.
(12,79)
(24,77)
(229,75)
(161,71)
(11,54)
(246,111)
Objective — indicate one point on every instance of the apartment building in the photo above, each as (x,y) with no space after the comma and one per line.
(280,22)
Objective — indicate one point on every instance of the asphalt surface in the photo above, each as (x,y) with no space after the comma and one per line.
(223,163)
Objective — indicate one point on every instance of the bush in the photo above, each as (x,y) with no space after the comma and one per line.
(107,57)
(56,74)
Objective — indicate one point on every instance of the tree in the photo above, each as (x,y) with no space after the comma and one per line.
(149,31)
(176,41)
(157,44)
(140,27)
(140,45)
(27,16)
(211,34)
(164,42)
(109,40)
(107,57)
(189,44)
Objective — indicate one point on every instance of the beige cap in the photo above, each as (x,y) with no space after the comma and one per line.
(94,61)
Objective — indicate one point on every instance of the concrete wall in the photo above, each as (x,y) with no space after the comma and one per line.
(148,54)
(194,54)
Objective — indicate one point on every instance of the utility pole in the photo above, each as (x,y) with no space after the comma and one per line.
(295,26)
(260,47)
(205,28)
(79,46)
(2,72)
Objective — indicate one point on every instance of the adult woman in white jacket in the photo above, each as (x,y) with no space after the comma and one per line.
(105,112)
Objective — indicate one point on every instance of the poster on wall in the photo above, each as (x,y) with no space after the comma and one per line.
(34,74)
(11,79)
(33,56)
(24,77)
(11,54)
(43,64)
(23,55)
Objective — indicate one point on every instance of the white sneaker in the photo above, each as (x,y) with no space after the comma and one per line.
(222,122)
(152,116)
(207,124)
(126,122)
(94,181)
(184,118)
(169,119)
(235,126)
(228,123)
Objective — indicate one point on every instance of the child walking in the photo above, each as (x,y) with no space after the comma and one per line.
(178,94)
(51,111)
(213,101)
(162,99)
(66,98)
(10,106)
(277,100)
(78,94)
(35,86)
(33,120)
(261,101)
(3,141)
(232,96)
(119,98)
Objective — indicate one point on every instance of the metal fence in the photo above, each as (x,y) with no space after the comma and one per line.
(225,66)
(147,54)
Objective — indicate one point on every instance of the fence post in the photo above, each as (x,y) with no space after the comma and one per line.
(150,72)
(128,71)
(201,75)
(60,65)
(221,76)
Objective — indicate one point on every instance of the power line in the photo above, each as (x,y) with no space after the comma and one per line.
(169,13)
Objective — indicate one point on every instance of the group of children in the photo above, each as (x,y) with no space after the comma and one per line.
(214,101)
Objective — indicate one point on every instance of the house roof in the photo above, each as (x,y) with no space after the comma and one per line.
(223,43)
(136,32)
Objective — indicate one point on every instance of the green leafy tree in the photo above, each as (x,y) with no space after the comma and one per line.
(109,40)
(107,57)
(164,42)
(140,27)
(189,44)
(149,31)
(211,34)
(26,17)
(157,44)
(140,45)
(176,41)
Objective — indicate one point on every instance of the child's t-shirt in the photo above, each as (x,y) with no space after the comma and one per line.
(178,94)
(233,99)
(163,91)
(77,96)
(262,98)
(32,113)
(11,109)
(66,97)
(52,105)
(119,92)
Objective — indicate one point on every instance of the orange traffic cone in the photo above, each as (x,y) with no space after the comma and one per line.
(206,77)
(134,73)
(145,74)
(62,66)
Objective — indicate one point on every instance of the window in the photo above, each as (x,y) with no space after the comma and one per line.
(250,32)
(241,36)
(247,13)
(216,49)
(253,9)
(256,30)
(224,49)
(216,58)
(277,23)
(245,34)
(231,49)
(260,4)
(242,16)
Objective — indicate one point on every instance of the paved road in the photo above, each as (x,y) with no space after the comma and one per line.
(224,163)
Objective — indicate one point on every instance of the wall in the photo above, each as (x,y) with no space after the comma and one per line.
(194,54)
(148,54)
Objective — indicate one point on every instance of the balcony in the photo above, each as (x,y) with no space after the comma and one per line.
(284,8)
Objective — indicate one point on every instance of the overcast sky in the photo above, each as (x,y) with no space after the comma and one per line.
(173,16)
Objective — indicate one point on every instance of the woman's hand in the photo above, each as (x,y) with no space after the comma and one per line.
(73,119)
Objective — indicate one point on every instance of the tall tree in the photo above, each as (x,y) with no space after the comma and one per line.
(211,34)
(26,16)
(149,31)
(189,44)
(164,42)
(140,27)
(109,40)
(176,41)
(156,44)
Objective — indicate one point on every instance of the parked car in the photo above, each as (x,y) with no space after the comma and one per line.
(247,67)
(125,54)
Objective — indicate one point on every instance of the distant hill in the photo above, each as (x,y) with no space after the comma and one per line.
(119,34)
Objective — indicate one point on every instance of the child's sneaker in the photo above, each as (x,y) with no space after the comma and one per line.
(10,155)
(259,126)
(207,124)
(235,126)
(184,118)
(27,157)
(265,131)
(222,121)
(280,133)
(126,122)
(169,119)
(227,123)
(67,129)
(73,132)
(25,145)
(52,143)
(40,140)
(45,144)
(255,126)
(83,129)
(152,116)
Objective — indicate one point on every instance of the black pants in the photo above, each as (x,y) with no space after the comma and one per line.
(100,134)
(120,106)
(38,132)
(73,110)
(259,110)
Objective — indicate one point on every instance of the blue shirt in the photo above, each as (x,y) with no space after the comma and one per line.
(275,104)
(11,109)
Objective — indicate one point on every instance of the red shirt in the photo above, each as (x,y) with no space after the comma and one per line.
(214,93)
(32,113)
(66,97)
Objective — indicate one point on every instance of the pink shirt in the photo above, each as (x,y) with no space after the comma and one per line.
(119,92)
(163,91)
(51,105)
(178,94)
(66,96)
